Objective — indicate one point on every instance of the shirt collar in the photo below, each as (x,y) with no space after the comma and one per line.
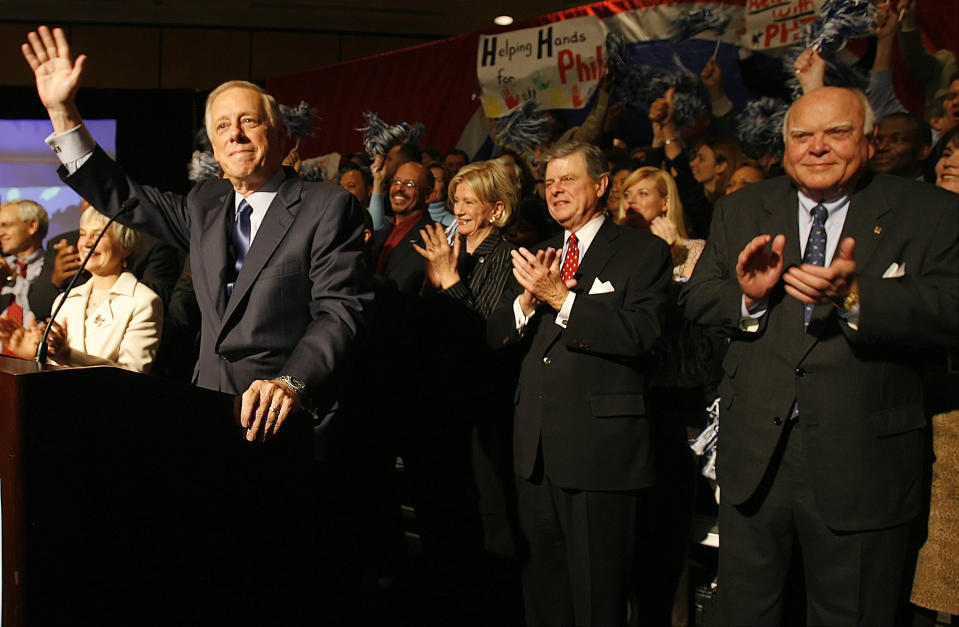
(260,199)
(34,256)
(586,233)
(807,204)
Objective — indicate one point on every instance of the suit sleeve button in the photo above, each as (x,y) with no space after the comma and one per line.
(546,361)
(800,372)
(777,421)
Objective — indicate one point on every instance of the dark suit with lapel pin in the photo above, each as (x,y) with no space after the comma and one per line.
(581,426)
(861,423)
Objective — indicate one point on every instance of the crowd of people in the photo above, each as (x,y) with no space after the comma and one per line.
(537,337)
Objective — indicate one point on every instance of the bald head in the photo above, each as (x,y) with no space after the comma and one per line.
(828,135)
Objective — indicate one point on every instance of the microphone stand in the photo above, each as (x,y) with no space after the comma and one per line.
(41,355)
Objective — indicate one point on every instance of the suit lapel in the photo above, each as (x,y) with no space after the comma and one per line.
(598,254)
(782,215)
(543,340)
(864,220)
(277,221)
(213,253)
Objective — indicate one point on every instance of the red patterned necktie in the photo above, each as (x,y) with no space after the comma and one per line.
(571,262)
(14,311)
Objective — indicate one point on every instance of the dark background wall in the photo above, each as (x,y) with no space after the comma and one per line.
(154,126)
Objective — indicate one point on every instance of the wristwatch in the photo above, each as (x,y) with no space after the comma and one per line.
(294,384)
(851,301)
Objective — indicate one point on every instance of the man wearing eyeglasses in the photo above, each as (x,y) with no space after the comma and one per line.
(393,246)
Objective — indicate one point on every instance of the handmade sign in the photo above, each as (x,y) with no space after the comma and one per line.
(559,65)
(777,23)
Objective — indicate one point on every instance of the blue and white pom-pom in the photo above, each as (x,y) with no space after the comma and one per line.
(691,23)
(838,22)
(312,170)
(644,84)
(759,127)
(300,120)
(203,166)
(201,141)
(687,108)
(708,441)
(415,134)
(379,137)
(838,74)
(524,128)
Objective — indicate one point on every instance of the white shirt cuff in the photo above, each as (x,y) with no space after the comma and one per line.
(73,147)
(562,316)
(521,319)
(749,320)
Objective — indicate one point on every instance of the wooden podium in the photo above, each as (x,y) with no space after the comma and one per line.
(132,500)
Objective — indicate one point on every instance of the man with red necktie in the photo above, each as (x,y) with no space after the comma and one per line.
(23,225)
(585,308)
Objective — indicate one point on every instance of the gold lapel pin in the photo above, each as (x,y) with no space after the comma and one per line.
(877,230)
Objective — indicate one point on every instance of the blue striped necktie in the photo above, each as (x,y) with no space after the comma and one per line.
(815,252)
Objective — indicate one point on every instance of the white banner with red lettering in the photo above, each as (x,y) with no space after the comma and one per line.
(558,65)
(777,23)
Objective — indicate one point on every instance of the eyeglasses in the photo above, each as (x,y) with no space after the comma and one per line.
(407,183)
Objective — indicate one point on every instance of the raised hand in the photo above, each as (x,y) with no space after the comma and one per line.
(907,14)
(887,21)
(712,77)
(65,264)
(441,258)
(757,269)
(663,228)
(57,74)
(661,111)
(810,69)
(378,169)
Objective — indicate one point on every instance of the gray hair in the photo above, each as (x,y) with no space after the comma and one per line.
(127,238)
(273,114)
(30,210)
(593,157)
(868,114)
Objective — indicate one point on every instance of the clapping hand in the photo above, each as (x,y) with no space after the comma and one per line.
(810,283)
(19,340)
(757,269)
(65,264)
(539,275)
(441,258)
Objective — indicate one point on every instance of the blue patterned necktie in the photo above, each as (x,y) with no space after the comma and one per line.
(241,238)
(815,252)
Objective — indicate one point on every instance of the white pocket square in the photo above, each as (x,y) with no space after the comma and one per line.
(601,287)
(895,271)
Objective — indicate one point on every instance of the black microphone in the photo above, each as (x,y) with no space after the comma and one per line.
(41,355)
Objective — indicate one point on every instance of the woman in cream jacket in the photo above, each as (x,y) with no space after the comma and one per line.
(112,319)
